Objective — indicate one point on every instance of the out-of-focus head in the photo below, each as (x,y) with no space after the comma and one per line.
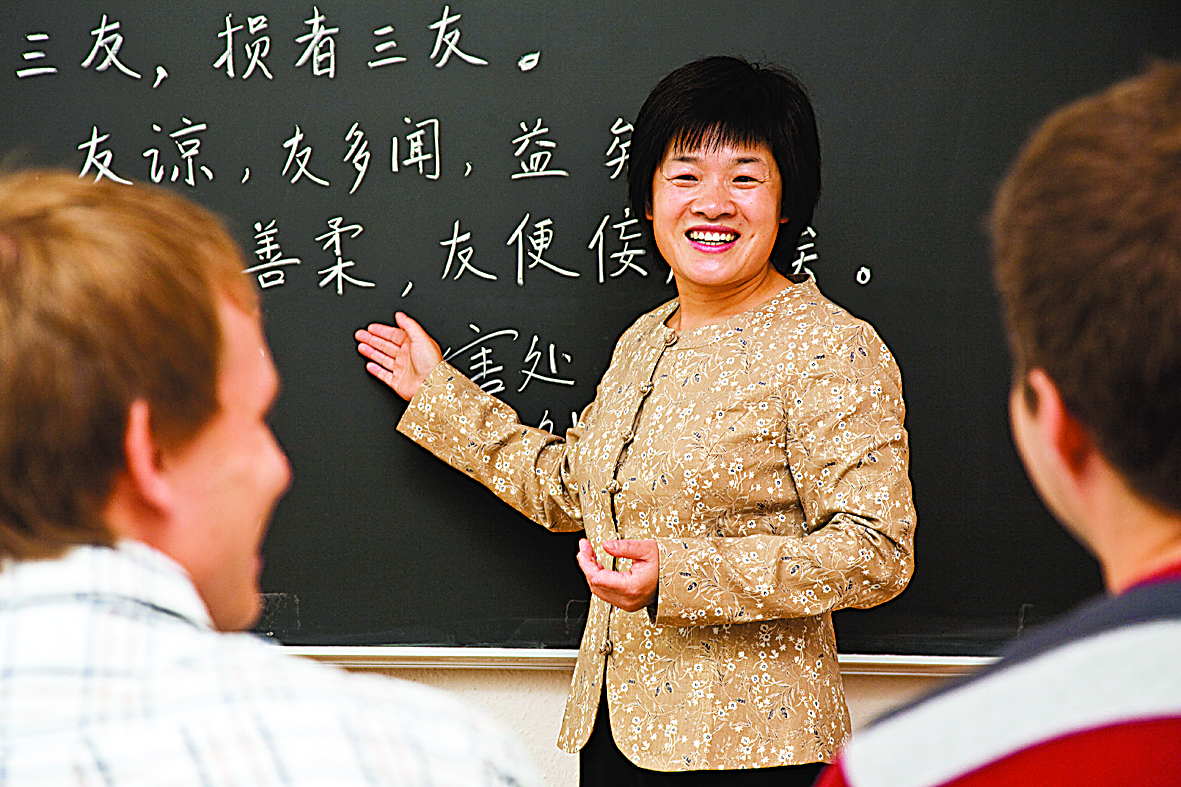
(108,294)
(727,101)
(1086,232)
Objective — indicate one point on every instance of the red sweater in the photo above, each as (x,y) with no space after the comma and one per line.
(1093,700)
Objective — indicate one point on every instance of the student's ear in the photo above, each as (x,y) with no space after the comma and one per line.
(145,468)
(1063,433)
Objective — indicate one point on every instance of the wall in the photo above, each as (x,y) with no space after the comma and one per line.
(530,701)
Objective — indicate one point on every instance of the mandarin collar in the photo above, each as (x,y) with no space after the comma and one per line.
(801,289)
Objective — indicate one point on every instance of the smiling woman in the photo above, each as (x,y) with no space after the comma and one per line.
(741,474)
(716,212)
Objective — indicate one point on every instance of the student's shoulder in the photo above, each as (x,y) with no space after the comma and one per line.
(393,717)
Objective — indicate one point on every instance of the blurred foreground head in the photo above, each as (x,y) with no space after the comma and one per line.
(1086,234)
(108,294)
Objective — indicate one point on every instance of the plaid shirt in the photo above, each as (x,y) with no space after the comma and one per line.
(111,674)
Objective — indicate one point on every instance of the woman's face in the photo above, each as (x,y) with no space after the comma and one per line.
(715,214)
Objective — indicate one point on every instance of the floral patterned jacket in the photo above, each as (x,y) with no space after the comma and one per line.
(767,456)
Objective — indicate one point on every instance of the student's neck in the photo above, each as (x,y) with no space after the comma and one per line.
(1134,538)
(699,306)
(1151,554)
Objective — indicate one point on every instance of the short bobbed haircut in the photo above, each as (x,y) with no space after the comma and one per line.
(1086,233)
(725,100)
(108,293)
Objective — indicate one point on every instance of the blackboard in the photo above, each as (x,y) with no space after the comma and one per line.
(491,150)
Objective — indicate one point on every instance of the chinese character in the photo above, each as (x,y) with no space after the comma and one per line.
(336,272)
(539,160)
(358,153)
(464,254)
(256,50)
(804,248)
(385,46)
(548,424)
(481,366)
(188,147)
(624,256)
(618,143)
(417,142)
(321,47)
(99,159)
(106,39)
(534,355)
(539,240)
(270,272)
(35,54)
(302,156)
(451,40)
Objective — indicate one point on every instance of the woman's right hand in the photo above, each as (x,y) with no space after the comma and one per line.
(400,356)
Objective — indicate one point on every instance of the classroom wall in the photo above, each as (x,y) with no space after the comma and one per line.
(530,702)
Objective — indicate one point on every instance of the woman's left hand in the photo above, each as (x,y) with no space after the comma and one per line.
(630,590)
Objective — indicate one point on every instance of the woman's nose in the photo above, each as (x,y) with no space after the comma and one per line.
(713,200)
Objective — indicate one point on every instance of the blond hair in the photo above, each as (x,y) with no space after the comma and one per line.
(108,294)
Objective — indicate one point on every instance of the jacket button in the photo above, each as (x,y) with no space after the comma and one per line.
(646,388)
(607,648)
(670,339)
(612,487)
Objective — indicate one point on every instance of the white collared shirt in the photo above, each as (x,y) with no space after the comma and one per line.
(111,674)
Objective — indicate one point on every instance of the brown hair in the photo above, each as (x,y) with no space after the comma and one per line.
(1086,234)
(108,293)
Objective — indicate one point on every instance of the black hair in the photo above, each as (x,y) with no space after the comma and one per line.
(725,100)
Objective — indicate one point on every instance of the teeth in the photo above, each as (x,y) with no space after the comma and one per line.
(702,236)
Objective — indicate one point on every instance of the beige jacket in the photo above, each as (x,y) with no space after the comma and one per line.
(767,456)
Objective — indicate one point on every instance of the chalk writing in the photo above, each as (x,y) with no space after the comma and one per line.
(537,165)
(270,271)
(539,242)
(620,147)
(863,275)
(529,62)
(107,39)
(481,367)
(423,148)
(188,145)
(336,271)
(384,46)
(534,355)
(99,159)
(161,75)
(805,251)
(464,254)
(448,42)
(625,256)
(548,424)
(255,50)
(33,55)
(301,157)
(321,46)
(358,153)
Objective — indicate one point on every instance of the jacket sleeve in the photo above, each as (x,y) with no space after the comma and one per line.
(848,457)
(528,468)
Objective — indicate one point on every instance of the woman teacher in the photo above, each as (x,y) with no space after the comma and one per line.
(741,473)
